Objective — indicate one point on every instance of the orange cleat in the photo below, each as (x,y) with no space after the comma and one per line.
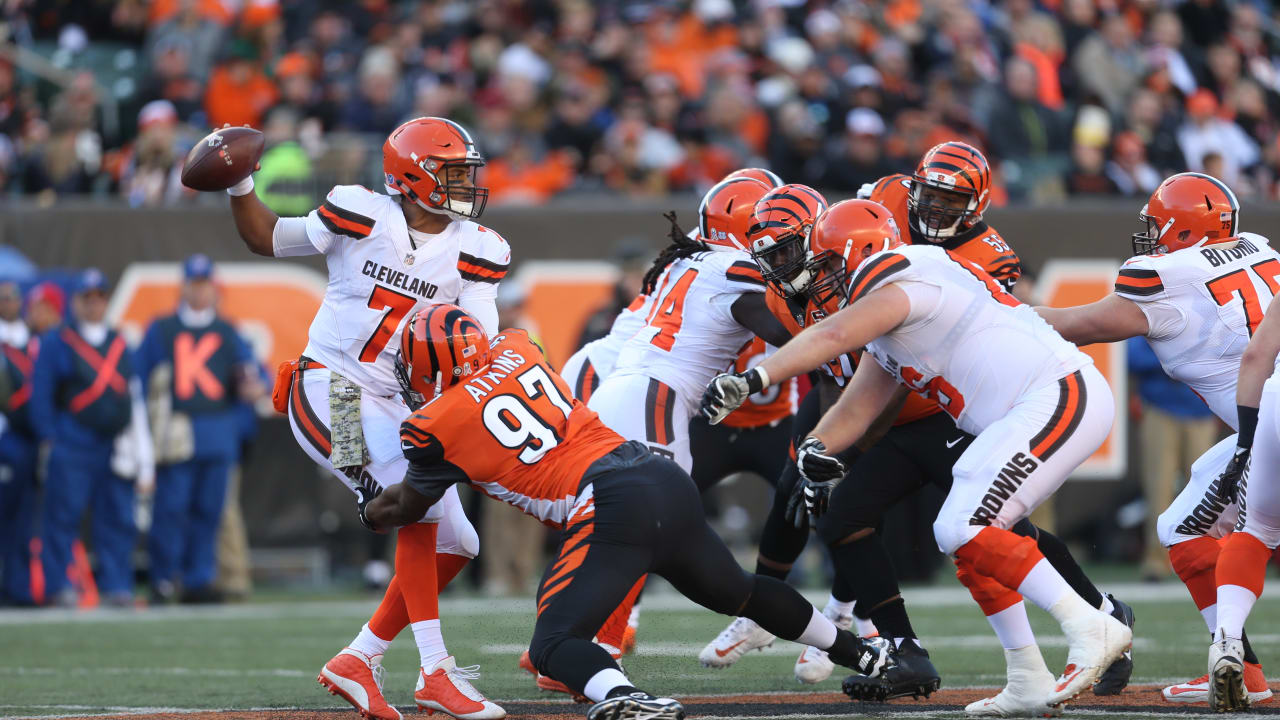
(545,683)
(526,663)
(445,687)
(357,678)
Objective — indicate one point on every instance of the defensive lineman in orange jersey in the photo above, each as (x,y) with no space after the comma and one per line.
(505,423)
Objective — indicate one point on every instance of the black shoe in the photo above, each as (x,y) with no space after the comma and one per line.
(911,674)
(870,656)
(1116,677)
(207,595)
(636,705)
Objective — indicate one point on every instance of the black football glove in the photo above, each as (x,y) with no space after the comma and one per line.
(819,473)
(364,496)
(1229,480)
(727,391)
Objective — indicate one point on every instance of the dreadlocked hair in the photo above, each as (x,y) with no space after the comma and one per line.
(682,246)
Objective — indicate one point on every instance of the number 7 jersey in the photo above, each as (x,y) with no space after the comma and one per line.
(381,272)
(513,431)
(1202,305)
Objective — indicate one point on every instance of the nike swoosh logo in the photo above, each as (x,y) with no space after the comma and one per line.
(1180,690)
(801,661)
(954,442)
(726,651)
(1068,676)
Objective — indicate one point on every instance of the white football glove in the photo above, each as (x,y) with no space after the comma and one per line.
(727,391)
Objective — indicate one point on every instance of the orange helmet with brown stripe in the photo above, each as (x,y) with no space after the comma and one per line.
(846,234)
(779,236)
(1187,210)
(433,162)
(950,190)
(440,347)
(768,177)
(726,210)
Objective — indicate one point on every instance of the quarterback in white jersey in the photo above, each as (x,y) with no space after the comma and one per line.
(705,302)
(1196,289)
(388,255)
(940,325)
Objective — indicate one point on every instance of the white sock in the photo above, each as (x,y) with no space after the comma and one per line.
(1045,587)
(1107,606)
(819,633)
(368,643)
(430,642)
(838,608)
(601,683)
(864,628)
(1234,604)
(1210,615)
(1012,627)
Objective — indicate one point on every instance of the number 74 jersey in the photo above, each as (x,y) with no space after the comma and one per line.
(513,431)
(1202,305)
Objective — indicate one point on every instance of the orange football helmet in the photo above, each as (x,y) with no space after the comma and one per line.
(440,347)
(417,159)
(1188,209)
(846,234)
(725,213)
(779,233)
(768,177)
(950,190)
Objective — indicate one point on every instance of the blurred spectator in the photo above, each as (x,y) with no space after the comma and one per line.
(1128,169)
(1109,63)
(46,304)
(378,105)
(1205,20)
(195,367)
(13,331)
(519,178)
(285,182)
(239,93)
(152,172)
(1025,133)
(87,407)
(188,33)
(1158,131)
(1166,50)
(860,157)
(18,451)
(1204,132)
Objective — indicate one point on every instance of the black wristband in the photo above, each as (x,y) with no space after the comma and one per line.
(755,382)
(1248,418)
(849,455)
(364,518)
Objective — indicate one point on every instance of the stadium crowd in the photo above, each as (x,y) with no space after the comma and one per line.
(1068,97)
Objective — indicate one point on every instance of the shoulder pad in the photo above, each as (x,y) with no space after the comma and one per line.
(351,210)
(1139,278)
(484,256)
(876,270)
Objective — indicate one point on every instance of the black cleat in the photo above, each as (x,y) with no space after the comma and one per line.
(911,674)
(1116,677)
(636,705)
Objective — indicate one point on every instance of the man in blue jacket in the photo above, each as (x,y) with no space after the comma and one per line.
(196,368)
(84,397)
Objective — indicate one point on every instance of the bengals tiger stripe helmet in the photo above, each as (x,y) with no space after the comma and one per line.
(846,234)
(440,347)
(417,158)
(768,177)
(725,213)
(1187,210)
(950,190)
(779,233)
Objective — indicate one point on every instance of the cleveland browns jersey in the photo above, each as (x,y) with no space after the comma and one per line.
(774,403)
(381,272)
(1202,304)
(689,334)
(980,244)
(603,352)
(966,342)
(513,431)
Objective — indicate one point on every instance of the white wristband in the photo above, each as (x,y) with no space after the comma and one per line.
(242,188)
(764,376)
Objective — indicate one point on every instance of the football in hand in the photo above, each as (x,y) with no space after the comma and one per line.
(223,158)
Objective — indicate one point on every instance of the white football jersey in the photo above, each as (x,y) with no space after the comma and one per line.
(603,352)
(689,334)
(966,342)
(379,275)
(1202,304)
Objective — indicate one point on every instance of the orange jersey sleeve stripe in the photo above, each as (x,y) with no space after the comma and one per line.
(345,222)
(877,271)
(1134,281)
(1066,417)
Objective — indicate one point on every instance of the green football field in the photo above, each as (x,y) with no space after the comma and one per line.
(266,654)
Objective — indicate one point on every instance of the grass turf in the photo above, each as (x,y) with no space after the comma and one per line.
(267,655)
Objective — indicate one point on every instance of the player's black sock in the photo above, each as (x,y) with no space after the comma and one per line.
(1056,552)
(867,559)
(1249,657)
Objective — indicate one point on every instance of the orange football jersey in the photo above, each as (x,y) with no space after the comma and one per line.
(987,248)
(513,431)
(767,406)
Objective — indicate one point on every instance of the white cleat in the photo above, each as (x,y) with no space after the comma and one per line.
(1197,690)
(1096,640)
(742,636)
(1028,683)
(1226,675)
(813,666)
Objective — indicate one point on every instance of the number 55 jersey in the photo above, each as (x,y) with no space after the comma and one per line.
(514,432)
(1202,304)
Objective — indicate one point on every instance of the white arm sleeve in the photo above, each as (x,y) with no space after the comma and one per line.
(290,238)
(142,436)
(481,300)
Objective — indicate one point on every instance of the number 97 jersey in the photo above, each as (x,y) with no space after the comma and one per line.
(1202,305)
(513,431)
